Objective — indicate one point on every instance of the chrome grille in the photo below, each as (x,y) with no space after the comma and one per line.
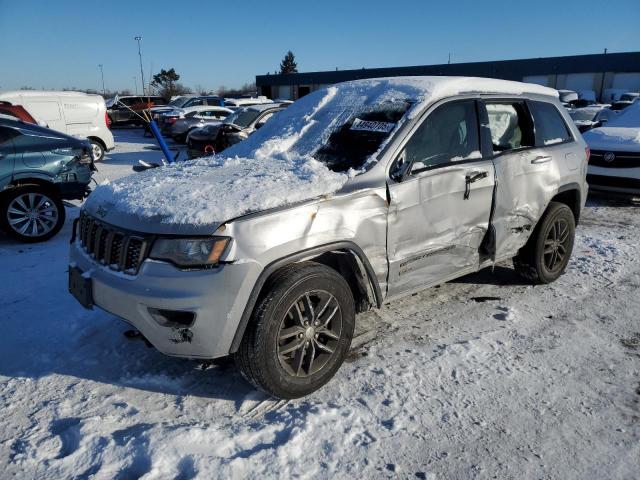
(119,250)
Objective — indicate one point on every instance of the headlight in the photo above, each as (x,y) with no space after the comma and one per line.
(190,252)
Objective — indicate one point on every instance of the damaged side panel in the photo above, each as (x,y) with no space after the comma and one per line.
(437,222)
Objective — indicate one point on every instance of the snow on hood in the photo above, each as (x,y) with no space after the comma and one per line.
(619,134)
(275,165)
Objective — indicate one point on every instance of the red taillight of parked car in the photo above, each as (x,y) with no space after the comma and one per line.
(172,119)
(107,121)
(587,150)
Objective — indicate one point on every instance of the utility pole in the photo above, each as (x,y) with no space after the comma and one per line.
(135,84)
(102,75)
(449,61)
(138,38)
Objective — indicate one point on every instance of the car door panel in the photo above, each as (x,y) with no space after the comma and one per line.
(434,231)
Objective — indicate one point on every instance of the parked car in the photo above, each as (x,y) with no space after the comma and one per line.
(352,196)
(125,110)
(235,128)
(235,103)
(614,165)
(622,104)
(167,120)
(567,96)
(197,119)
(75,113)
(39,168)
(17,112)
(187,101)
(589,117)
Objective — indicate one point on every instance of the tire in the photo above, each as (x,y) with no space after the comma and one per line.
(37,205)
(267,356)
(547,252)
(97,150)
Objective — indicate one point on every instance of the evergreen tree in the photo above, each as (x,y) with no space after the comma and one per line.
(288,64)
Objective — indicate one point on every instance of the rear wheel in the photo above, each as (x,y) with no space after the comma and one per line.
(31,214)
(300,332)
(546,255)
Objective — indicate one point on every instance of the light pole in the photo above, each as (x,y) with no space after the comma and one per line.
(102,75)
(138,38)
(135,84)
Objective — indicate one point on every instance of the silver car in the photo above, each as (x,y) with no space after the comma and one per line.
(354,195)
(197,119)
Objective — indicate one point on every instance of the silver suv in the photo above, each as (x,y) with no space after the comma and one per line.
(355,195)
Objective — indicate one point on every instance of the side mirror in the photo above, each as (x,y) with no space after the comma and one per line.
(400,168)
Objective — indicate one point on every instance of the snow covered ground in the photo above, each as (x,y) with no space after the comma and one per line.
(484,377)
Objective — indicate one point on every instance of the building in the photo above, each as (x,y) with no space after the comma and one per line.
(599,75)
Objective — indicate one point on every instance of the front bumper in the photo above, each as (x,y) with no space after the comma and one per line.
(216,296)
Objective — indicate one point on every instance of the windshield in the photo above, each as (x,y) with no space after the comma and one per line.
(178,102)
(242,117)
(628,97)
(341,126)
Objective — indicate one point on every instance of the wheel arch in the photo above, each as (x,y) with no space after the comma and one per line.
(569,194)
(99,140)
(345,257)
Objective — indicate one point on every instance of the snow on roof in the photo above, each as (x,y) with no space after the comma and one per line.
(275,165)
(622,133)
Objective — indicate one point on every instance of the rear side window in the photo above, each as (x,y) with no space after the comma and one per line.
(549,124)
(510,125)
(449,134)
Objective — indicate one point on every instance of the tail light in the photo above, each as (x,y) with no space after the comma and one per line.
(107,121)
(587,150)
(171,120)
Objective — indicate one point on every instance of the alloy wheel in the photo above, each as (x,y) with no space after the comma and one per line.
(309,333)
(556,245)
(32,214)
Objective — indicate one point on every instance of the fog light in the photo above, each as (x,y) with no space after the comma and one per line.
(172,318)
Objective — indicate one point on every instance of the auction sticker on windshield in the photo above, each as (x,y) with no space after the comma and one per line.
(371,126)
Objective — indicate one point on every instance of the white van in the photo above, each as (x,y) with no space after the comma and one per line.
(74,113)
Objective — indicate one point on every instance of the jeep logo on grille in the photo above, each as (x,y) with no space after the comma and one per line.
(609,157)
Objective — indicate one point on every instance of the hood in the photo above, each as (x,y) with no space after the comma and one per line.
(617,139)
(621,134)
(195,197)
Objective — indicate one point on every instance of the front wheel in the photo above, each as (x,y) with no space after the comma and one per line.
(300,332)
(546,255)
(97,150)
(31,214)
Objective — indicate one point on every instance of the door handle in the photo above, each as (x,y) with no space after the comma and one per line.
(472,177)
(541,159)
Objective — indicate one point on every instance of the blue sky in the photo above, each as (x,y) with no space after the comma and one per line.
(57,44)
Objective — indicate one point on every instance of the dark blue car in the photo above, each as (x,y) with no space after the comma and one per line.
(39,168)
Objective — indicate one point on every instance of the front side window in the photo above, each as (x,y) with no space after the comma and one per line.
(549,124)
(449,134)
(213,101)
(510,125)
